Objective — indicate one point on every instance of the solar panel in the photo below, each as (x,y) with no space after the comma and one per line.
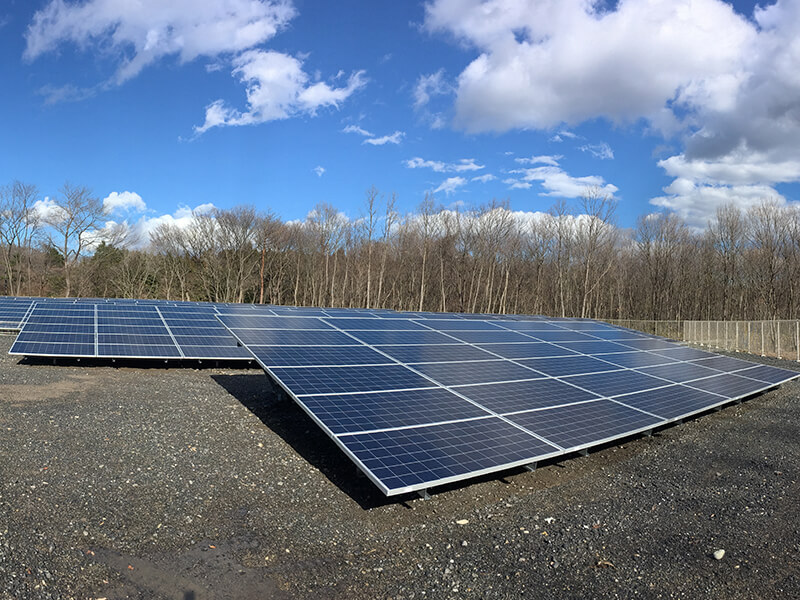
(13,311)
(124,329)
(417,399)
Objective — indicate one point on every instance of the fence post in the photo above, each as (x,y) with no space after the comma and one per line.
(737,337)
(762,338)
(749,338)
(797,338)
(779,339)
(726,335)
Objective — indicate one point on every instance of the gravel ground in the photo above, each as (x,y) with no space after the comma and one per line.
(134,482)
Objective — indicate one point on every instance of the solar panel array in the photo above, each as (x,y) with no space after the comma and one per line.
(416,400)
(13,311)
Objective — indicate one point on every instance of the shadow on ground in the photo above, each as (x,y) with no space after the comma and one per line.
(285,418)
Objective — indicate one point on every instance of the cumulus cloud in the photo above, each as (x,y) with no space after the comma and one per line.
(393,138)
(698,203)
(727,85)
(145,31)
(542,63)
(181,218)
(47,210)
(559,183)
(123,202)
(319,171)
(277,88)
(460,166)
(450,185)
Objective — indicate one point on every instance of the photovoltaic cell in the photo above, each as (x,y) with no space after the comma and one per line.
(671,402)
(404,459)
(272,337)
(527,350)
(595,347)
(724,363)
(490,337)
(569,365)
(475,372)
(350,413)
(616,382)
(579,425)
(680,372)
(637,359)
(277,356)
(524,395)
(379,338)
(435,353)
(649,344)
(682,353)
(373,324)
(729,385)
(335,380)
(560,336)
(764,373)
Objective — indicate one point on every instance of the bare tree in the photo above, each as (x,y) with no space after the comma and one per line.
(19,226)
(166,241)
(728,235)
(74,216)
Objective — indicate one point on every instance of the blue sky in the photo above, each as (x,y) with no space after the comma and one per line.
(164,107)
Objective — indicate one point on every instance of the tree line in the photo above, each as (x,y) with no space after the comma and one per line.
(572,260)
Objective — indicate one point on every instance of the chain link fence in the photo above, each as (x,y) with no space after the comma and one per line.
(777,338)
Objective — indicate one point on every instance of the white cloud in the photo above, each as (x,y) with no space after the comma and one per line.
(430,85)
(559,137)
(357,129)
(277,88)
(393,138)
(541,63)
(124,201)
(698,204)
(319,171)
(559,183)
(460,166)
(737,168)
(145,31)
(54,94)
(421,163)
(726,84)
(516,184)
(543,160)
(181,218)
(466,164)
(450,185)
(484,178)
(47,210)
(602,150)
